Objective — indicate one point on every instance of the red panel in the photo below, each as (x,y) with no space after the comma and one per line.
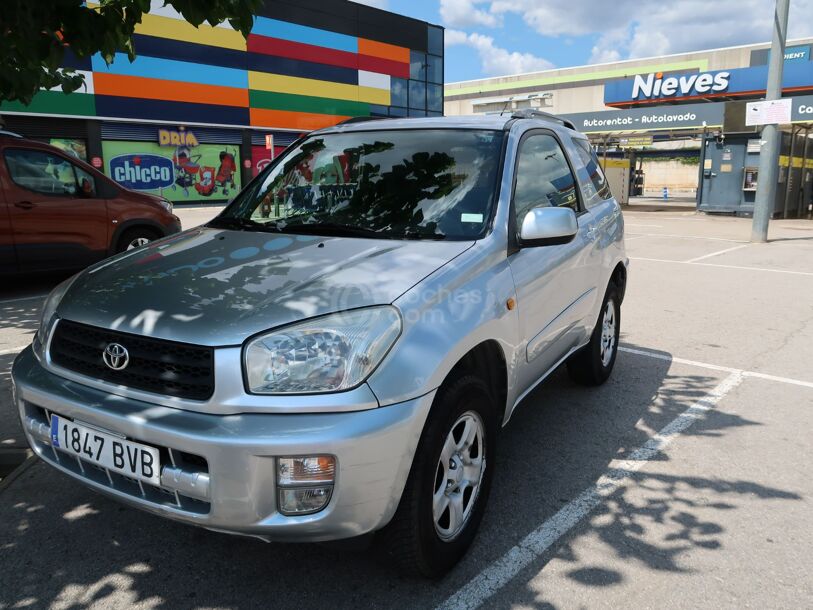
(301,51)
(383,66)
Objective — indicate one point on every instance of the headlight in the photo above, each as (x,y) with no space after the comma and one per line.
(49,309)
(166,203)
(327,354)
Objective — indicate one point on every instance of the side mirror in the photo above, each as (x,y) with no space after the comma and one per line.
(548,226)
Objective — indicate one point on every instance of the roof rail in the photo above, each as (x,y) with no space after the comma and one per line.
(361,119)
(530,113)
(5,132)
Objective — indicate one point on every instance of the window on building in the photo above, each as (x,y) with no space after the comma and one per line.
(434,42)
(434,69)
(398,91)
(434,97)
(543,177)
(41,172)
(595,187)
(398,111)
(417,95)
(417,65)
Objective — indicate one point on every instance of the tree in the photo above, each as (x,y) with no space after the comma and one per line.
(34,36)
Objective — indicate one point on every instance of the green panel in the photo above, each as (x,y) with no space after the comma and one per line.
(55,102)
(305,103)
(699,64)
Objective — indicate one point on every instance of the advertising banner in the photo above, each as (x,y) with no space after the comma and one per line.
(182,173)
(688,116)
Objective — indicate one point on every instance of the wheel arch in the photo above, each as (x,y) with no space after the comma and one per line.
(619,278)
(136,223)
(487,361)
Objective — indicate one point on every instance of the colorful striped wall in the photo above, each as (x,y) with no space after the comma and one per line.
(291,73)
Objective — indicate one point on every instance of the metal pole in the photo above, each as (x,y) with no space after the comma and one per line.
(789,173)
(769,152)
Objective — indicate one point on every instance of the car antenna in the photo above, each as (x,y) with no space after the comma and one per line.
(505,107)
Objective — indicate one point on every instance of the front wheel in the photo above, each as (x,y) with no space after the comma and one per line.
(593,364)
(135,238)
(448,486)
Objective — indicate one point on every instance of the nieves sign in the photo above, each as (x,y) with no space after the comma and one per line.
(688,85)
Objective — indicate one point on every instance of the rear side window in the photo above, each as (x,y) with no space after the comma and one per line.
(543,177)
(41,172)
(594,183)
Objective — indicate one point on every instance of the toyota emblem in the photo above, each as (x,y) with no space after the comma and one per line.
(116,356)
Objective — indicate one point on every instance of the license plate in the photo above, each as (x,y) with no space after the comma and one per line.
(131,459)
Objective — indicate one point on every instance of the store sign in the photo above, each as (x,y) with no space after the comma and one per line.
(181,137)
(688,116)
(686,85)
(142,172)
(802,109)
(747,82)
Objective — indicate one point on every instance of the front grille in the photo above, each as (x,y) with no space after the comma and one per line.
(163,367)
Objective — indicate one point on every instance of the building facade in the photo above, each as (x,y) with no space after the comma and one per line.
(216,105)
(678,124)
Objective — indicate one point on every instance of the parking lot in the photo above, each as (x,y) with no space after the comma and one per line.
(685,480)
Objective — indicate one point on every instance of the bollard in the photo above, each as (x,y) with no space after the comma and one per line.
(665,193)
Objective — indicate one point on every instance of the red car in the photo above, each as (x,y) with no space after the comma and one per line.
(59,213)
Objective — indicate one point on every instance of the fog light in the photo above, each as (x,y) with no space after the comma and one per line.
(305,483)
(303,500)
(306,470)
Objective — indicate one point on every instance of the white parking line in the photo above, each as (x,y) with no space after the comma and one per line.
(31,298)
(705,256)
(744,268)
(499,573)
(715,367)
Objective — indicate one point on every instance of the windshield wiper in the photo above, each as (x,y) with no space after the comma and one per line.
(234,222)
(415,234)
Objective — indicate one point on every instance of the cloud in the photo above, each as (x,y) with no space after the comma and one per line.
(494,60)
(464,13)
(627,29)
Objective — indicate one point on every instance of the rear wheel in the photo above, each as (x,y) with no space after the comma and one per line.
(135,238)
(448,486)
(593,364)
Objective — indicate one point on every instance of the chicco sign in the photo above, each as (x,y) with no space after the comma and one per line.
(687,85)
(142,172)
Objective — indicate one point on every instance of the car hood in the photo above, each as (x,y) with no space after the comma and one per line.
(218,287)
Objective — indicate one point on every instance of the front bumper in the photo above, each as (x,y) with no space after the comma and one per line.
(374,450)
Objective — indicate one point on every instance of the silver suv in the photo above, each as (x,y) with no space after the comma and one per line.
(335,353)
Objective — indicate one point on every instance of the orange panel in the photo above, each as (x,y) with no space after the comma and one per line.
(173,91)
(292,120)
(383,50)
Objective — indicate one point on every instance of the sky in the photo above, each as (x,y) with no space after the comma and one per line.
(500,37)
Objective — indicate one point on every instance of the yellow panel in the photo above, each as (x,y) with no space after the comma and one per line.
(318,88)
(175,29)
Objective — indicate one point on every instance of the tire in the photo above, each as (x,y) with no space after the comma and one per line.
(592,365)
(135,238)
(419,544)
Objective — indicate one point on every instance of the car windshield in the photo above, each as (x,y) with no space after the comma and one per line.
(391,184)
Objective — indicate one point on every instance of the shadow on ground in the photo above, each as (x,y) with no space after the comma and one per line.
(65,546)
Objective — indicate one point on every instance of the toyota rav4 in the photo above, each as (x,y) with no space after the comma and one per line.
(334,354)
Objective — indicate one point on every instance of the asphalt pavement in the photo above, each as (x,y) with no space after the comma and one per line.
(684,481)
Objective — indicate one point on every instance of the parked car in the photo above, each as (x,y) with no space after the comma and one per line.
(59,213)
(335,353)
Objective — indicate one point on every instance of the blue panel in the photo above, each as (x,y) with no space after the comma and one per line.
(797,76)
(305,34)
(177,112)
(168,69)
(154,46)
(70,60)
(259,62)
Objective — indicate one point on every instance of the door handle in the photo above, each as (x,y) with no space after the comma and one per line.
(25,205)
(592,233)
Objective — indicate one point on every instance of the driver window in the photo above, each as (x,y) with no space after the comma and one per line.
(543,177)
(41,172)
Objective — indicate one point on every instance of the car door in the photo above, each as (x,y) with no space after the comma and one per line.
(57,219)
(555,284)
